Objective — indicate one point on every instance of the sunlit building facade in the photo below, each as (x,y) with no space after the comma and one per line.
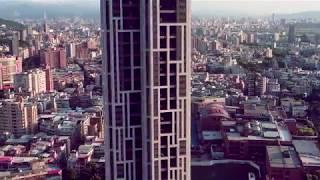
(146,88)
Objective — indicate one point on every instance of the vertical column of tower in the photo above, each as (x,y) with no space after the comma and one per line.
(146,88)
(122,89)
(167,66)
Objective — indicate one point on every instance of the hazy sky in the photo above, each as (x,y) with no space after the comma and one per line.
(257,7)
(253,7)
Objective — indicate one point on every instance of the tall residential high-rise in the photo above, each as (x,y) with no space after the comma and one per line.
(82,51)
(10,65)
(292,34)
(29,30)
(33,81)
(147,62)
(18,116)
(53,58)
(273,18)
(14,44)
(269,53)
(23,34)
(49,79)
(251,38)
(45,24)
(71,50)
(276,37)
(256,84)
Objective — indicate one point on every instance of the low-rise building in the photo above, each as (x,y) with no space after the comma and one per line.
(247,140)
(283,163)
(309,155)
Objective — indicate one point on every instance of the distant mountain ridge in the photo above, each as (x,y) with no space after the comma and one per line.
(224,13)
(12,24)
(13,9)
(305,15)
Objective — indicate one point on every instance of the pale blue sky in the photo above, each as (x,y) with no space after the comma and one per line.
(254,7)
(259,7)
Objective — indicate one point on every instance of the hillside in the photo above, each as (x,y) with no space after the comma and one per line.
(12,24)
(34,9)
(301,15)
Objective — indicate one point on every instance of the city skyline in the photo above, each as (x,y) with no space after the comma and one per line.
(254,7)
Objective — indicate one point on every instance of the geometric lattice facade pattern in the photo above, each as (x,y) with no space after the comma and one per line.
(146,82)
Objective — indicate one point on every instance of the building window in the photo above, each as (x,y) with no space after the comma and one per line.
(120,171)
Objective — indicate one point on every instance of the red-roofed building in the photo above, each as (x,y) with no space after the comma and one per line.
(211,115)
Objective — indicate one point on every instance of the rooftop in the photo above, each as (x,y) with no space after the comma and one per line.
(211,135)
(17,159)
(283,157)
(308,152)
(85,149)
(215,110)
(256,130)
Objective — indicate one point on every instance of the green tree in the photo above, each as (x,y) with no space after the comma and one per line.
(68,174)
(90,173)
(63,161)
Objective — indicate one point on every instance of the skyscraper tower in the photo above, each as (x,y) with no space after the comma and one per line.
(45,24)
(256,84)
(14,45)
(292,34)
(147,51)
(273,18)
